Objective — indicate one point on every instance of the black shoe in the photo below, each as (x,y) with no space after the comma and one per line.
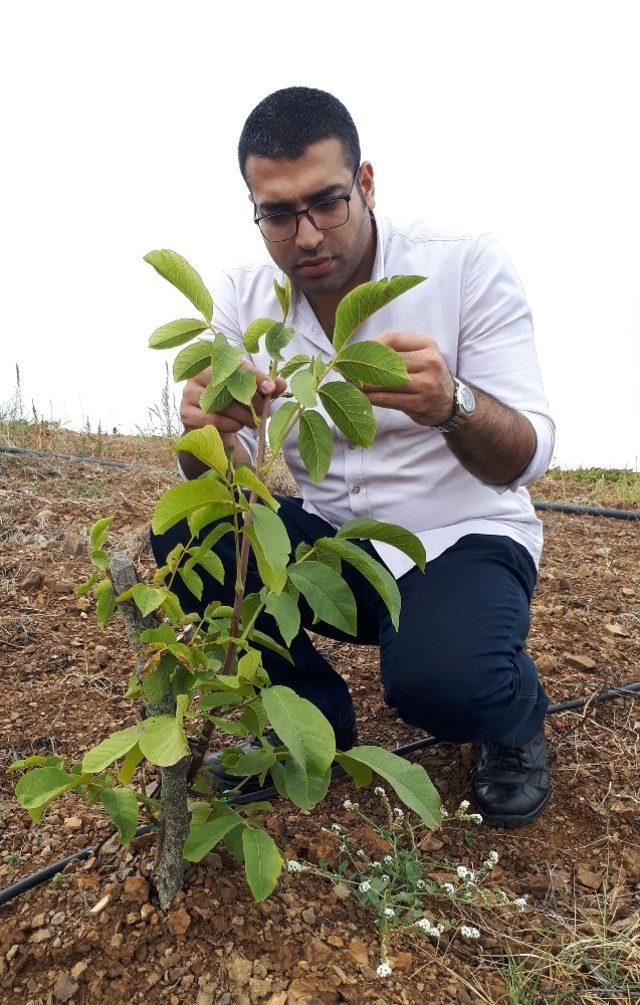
(217,775)
(511,784)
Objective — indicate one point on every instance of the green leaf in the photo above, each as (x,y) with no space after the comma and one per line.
(305,790)
(365,300)
(351,411)
(272,536)
(262,639)
(283,293)
(128,767)
(376,573)
(273,576)
(40,786)
(122,806)
(98,532)
(410,781)
(205,444)
(360,773)
(372,363)
(242,385)
(327,594)
(176,333)
(284,608)
(105,602)
(192,581)
(255,331)
(277,338)
(181,500)
(146,598)
(215,397)
(248,664)
(293,364)
(191,360)
(184,277)
(262,862)
(302,728)
(315,444)
(390,533)
(248,479)
(206,836)
(201,518)
(278,423)
(163,741)
(304,387)
(224,358)
(110,749)
(255,763)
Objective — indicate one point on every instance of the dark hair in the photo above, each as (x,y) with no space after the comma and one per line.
(286,122)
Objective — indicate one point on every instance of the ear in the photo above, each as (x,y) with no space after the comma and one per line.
(367,184)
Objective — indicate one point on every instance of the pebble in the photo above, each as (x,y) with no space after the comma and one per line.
(179,921)
(136,890)
(65,987)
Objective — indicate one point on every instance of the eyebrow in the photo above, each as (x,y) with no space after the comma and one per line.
(327,190)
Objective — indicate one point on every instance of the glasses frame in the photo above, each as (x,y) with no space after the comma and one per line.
(306,212)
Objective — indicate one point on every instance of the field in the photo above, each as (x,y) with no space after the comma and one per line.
(61,688)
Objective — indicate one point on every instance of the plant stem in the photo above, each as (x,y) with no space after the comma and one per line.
(241,579)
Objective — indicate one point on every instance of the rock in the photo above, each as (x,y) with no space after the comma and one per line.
(580,662)
(37,921)
(588,878)
(628,592)
(402,962)
(279,998)
(78,969)
(72,824)
(13,952)
(335,941)
(618,630)
(259,988)
(603,552)
(65,987)
(102,903)
(359,952)
(136,890)
(60,586)
(31,581)
(240,970)
(303,992)
(631,860)
(40,936)
(547,663)
(309,915)
(179,920)
(341,891)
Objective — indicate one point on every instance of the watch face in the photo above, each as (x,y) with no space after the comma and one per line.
(467,400)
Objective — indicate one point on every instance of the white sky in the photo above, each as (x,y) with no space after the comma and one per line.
(120,128)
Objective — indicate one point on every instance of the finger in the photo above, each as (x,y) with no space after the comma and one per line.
(393,399)
(410,388)
(195,418)
(405,341)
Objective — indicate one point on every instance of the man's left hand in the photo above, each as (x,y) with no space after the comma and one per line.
(428,397)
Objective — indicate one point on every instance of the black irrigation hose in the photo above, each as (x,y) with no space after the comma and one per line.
(268,793)
(619,514)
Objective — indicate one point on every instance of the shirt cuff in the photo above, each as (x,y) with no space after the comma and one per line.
(545,430)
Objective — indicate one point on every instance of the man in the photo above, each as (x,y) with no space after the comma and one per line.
(453,452)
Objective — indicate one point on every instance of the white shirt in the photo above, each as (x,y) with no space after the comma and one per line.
(474,306)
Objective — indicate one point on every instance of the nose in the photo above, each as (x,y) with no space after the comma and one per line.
(307,237)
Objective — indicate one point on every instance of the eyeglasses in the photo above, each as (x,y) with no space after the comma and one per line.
(327,215)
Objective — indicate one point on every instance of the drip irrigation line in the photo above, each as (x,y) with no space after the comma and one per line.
(617,514)
(244,798)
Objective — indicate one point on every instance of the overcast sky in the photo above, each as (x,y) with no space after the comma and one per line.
(120,128)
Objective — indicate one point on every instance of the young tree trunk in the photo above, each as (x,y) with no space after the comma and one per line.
(174,826)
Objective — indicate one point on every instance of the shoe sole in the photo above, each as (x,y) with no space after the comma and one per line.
(500,820)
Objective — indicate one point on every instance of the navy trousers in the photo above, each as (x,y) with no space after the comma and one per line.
(455,668)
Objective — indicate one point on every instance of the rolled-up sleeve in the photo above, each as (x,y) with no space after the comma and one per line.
(496,348)
(225,320)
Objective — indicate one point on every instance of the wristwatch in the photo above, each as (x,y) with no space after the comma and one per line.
(464,404)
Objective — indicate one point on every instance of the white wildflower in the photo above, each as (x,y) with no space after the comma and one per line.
(444,813)
(384,970)
(470,932)
(436,931)
(365,886)
(384,878)
(347,805)
(521,903)
(398,812)
(448,888)
(343,846)
(424,924)
(388,859)
(464,805)
(493,857)
(360,853)
(336,828)
(389,912)
(379,791)
(462,871)
(501,895)
(375,865)
(476,817)
(294,866)
(421,884)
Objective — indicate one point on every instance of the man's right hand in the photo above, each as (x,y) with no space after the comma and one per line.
(236,415)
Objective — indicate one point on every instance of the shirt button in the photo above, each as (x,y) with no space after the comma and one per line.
(355,489)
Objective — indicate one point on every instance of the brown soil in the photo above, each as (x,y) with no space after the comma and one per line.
(63,678)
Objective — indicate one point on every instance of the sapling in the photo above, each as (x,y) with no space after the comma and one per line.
(201,673)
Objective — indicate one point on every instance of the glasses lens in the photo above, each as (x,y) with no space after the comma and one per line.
(279,227)
(332,213)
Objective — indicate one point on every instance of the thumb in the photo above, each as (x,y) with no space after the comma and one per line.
(273,386)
